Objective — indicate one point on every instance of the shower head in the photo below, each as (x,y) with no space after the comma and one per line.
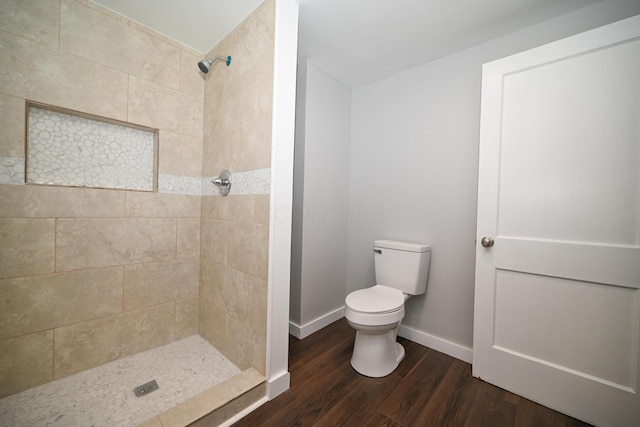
(205,64)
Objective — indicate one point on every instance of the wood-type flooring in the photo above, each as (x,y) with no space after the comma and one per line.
(429,388)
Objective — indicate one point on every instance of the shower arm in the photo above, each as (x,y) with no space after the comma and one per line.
(226,59)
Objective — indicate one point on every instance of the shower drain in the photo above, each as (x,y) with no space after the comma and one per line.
(145,388)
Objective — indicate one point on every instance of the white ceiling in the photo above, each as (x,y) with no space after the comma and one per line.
(199,24)
(360,41)
(357,41)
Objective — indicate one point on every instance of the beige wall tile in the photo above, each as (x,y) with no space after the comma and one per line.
(259,360)
(214,81)
(188,239)
(243,246)
(164,93)
(36,20)
(163,37)
(159,107)
(214,235)
(211,324)
(158,205)
(233,337)
(102,242)
(264,83)
(188,283)
(186,317)
(27,246)
(104,10)
(180,154)
(216,149)
(208,206)
(233,207)
(154,283)
(39,73)
(253,39)
(37,303)
(227,288)
(231,108)
(25,362)
(248,249)
(234,229)
(116,240)
(238,104)
(208,279)
(253,144)
(89,344)
(101,38)
(191,78)
(261,208)
(242,99)
(212,90)
(242,348)
(47,201)
(12,123)
(259,306)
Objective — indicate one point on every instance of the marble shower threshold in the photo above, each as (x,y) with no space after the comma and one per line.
(193,379)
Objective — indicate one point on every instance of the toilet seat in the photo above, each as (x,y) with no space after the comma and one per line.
(374,306)
(376,299)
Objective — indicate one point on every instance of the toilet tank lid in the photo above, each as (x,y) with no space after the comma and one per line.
(402,246)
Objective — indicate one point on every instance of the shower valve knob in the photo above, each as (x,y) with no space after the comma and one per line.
(223,182)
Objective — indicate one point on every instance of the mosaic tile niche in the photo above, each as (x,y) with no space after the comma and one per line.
(67,149)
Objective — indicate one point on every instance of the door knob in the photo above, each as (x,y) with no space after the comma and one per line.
(487,241)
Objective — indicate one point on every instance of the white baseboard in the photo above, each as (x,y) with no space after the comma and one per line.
(439,344)
(315,325)
(278,385)
(294,329)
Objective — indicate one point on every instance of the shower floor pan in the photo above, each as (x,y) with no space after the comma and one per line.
(104,396)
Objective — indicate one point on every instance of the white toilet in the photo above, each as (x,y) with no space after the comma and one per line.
(375,313)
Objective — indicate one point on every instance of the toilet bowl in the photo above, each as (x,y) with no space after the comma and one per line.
(376,312)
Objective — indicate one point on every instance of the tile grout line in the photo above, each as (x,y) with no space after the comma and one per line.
(122,298)
(53,355)
(59,25)
(55,246)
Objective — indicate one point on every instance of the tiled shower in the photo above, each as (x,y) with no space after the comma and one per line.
(90,275)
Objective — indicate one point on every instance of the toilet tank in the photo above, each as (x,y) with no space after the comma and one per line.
(402,265)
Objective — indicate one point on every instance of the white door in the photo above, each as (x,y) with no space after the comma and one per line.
(557,298)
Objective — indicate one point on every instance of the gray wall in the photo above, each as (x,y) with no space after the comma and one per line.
(321,164)
(411,174)
(413,170)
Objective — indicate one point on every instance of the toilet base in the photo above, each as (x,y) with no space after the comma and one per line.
(376,355)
